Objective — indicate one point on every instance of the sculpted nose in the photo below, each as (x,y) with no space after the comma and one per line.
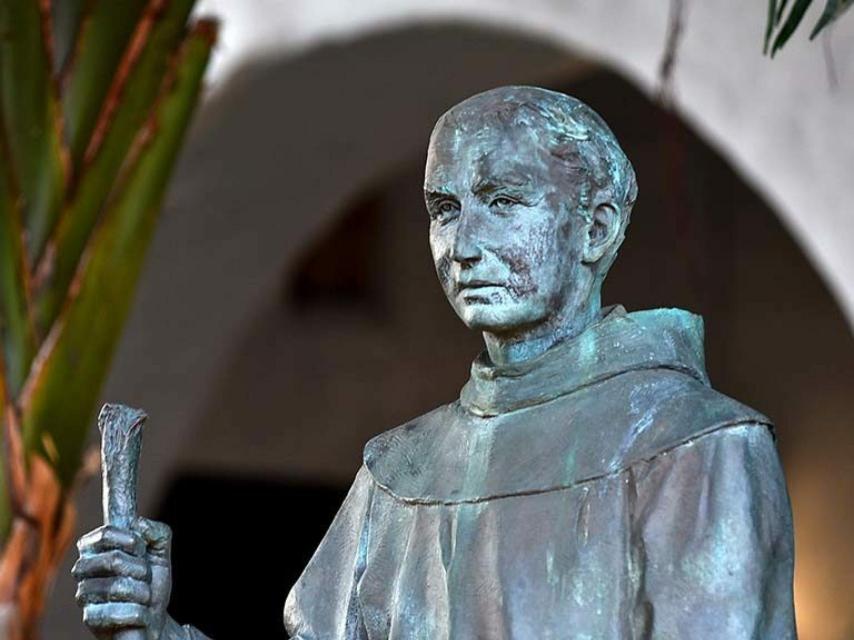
(466,248)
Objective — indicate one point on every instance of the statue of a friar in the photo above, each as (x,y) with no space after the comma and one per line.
(587,484)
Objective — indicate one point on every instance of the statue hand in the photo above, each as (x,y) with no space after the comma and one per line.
(125,579)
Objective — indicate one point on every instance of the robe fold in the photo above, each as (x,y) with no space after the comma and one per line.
(602,490)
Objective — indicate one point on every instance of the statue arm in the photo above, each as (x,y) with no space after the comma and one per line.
(322,604)
(714,527)
(194,634)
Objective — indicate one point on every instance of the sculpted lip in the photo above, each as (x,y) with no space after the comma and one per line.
(469,285)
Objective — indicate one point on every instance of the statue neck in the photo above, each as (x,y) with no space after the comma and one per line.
(518,347)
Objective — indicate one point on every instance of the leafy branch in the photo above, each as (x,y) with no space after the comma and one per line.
(95,99)
(781,25)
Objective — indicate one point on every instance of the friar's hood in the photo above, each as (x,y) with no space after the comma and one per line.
(629,388)
(619,342)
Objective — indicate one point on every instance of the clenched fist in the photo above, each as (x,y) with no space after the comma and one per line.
(124,580)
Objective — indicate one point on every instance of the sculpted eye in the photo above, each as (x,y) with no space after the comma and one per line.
(444,210)
(503,202)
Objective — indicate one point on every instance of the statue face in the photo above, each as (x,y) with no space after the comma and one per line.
(506,231)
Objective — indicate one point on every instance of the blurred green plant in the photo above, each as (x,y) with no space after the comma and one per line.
(95,99)
(778,30)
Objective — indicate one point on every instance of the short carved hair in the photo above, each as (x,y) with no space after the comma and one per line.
(571,131)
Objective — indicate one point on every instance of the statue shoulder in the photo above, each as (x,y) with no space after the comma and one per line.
(600,430)
(408,455)
(694,411)
(411,434)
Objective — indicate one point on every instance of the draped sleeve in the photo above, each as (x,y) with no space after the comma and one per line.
(322,604)
(713,523)
(194,634)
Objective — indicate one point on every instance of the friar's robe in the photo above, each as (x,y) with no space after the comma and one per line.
(602,490)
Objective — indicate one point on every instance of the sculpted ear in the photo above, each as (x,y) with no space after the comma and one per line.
(603,231)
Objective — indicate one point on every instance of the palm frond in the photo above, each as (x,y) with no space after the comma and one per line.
(31,117)
(74,359)
(127,103)
(95,100)
(778,31)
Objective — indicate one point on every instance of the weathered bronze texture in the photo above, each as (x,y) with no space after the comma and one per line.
(121,443)
(589,483)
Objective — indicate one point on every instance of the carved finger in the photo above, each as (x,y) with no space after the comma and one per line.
(115,616)
(108,538)
(111,564)
(102,590)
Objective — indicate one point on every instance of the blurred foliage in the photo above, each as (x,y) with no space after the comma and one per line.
(95,99)
(778,30)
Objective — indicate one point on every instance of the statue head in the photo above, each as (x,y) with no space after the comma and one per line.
(529,195)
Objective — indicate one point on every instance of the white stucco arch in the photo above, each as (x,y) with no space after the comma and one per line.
(780,122)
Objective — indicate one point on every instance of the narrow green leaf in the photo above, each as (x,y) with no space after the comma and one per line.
(67,16)
(5,489)
(780,11)
(31,117)
(832,10)
(139,92)
(769,27)
(796,15)
(60,399)
(103,37)
(16,329)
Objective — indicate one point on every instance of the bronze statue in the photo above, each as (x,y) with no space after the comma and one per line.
(587,484)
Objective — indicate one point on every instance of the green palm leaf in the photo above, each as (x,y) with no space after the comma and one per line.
(95,99)
(16,329)
(74,361)
(776,10)
(105,29)
(832,11)
(67,17)
(796,15)
(138,84)
(31,118)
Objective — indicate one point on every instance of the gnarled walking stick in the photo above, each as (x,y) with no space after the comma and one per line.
(121,441)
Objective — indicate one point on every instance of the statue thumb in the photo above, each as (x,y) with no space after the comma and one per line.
(157,536)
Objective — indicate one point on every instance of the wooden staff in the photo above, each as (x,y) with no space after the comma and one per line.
(121,441)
